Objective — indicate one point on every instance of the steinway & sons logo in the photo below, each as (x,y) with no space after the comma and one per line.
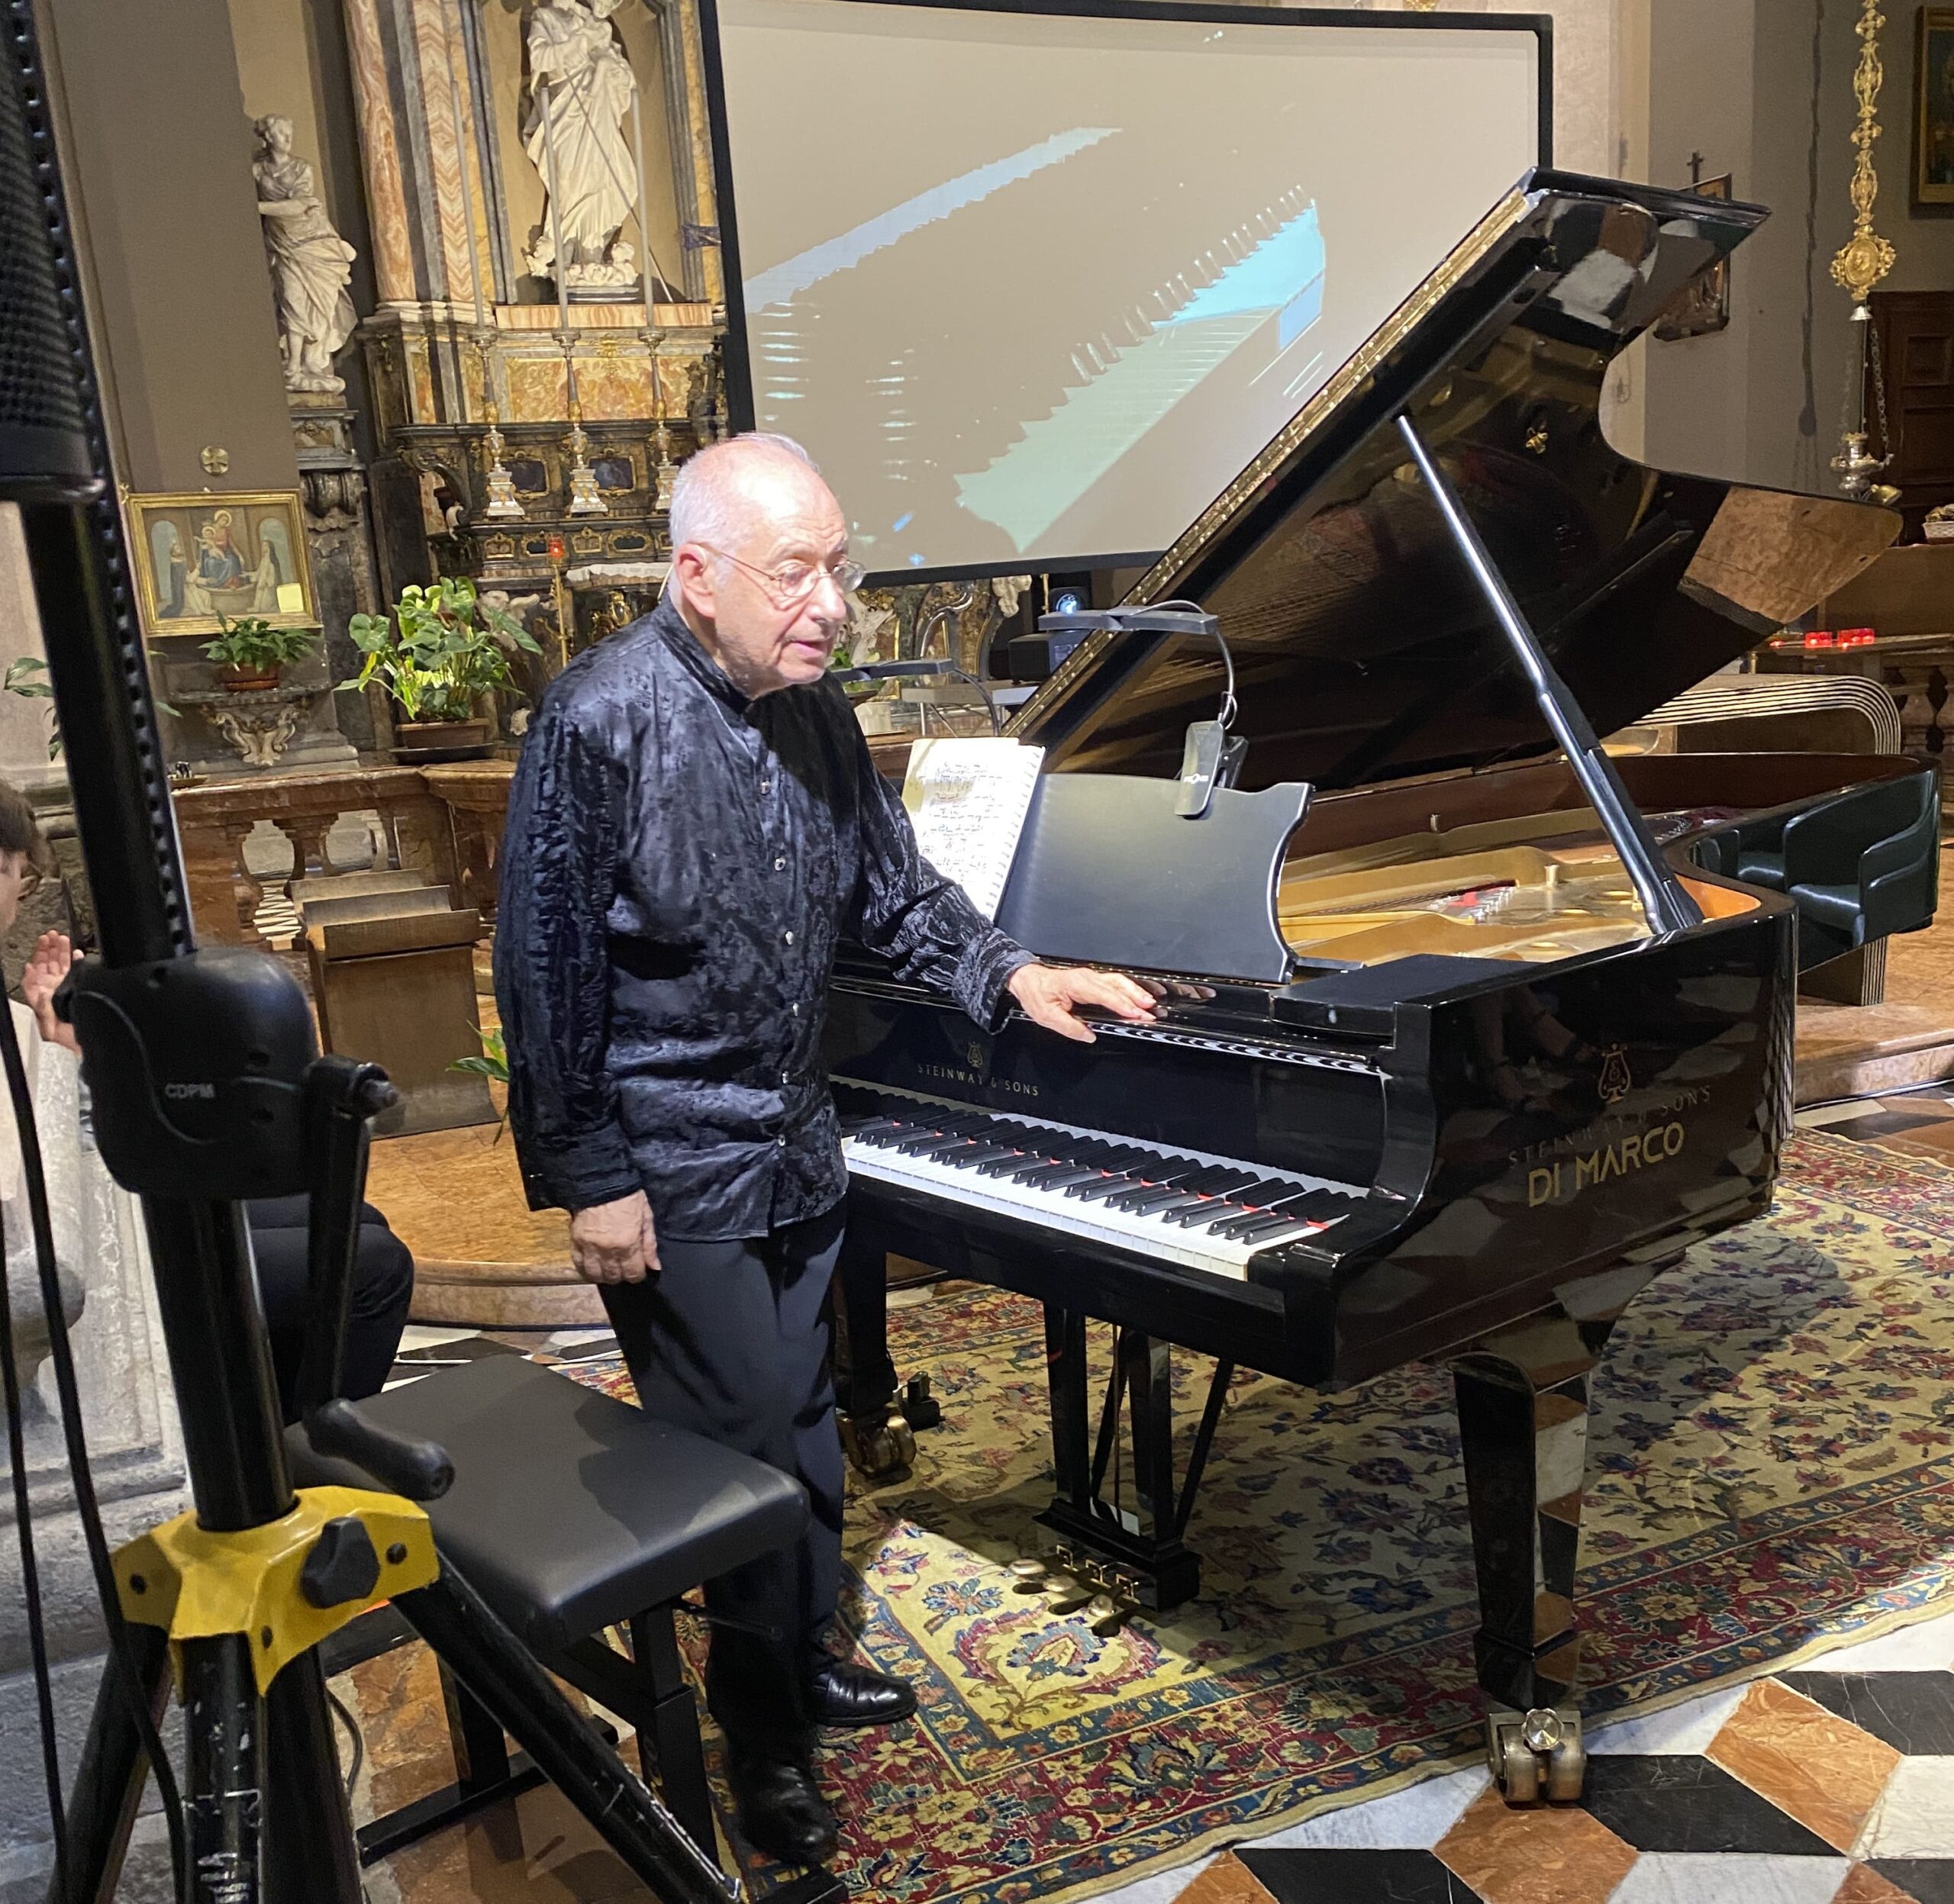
(1618,1143)
(975,1072)
(1615,1083)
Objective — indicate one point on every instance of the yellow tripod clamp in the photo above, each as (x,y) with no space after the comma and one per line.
(288,1584)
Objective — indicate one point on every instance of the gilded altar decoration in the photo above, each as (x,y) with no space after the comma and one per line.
(1867,257)
(200,556)
(312,265)
(582,89)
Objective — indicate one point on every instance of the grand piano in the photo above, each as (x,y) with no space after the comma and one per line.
(1468,1028)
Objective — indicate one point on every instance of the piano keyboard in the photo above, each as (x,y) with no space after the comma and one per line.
(1195,1209)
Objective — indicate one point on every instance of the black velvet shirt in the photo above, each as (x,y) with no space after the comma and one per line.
(679,863)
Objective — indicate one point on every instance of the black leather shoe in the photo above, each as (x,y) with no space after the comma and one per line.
(781,1811)
(840,1692)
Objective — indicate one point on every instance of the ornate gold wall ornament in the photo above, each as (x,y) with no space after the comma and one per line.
(215,459)
(1867,256)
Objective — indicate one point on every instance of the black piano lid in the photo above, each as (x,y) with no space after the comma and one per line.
(1363,653)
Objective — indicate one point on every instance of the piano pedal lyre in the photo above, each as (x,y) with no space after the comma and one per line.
(878,1449)
(1536,1755)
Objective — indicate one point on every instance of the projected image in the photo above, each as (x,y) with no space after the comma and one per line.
(1053,320)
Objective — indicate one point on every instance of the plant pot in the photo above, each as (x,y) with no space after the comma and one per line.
(246,680)
(437,740)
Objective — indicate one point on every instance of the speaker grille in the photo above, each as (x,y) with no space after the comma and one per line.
(43,432)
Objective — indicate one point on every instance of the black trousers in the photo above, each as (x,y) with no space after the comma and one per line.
(731,1341)
(382,1289)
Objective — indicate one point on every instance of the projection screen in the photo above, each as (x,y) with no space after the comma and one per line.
(1032,287)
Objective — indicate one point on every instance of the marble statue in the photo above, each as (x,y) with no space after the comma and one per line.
(576,64)
(312,264)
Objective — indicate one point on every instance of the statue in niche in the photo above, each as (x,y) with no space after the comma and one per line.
(577,66)
(312,264)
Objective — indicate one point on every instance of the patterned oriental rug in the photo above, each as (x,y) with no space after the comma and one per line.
(1772,1466)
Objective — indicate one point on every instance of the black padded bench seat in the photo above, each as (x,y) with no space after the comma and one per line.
(572,1513)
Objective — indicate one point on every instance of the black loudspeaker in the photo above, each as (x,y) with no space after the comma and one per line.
(44,437)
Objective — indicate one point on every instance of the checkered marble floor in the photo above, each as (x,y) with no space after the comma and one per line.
(1834,1784)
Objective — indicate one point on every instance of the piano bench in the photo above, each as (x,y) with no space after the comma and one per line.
(572,1513)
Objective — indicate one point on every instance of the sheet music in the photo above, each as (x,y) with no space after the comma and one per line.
(968,799)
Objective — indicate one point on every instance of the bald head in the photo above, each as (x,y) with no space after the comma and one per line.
(724,489)
(746,514)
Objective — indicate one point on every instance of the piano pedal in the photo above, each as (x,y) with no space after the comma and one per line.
(878,1450)
(1027,1575)
(1537,1754)
(1065,1595)
(1105,1614)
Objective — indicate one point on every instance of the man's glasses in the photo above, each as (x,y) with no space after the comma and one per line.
(793,582)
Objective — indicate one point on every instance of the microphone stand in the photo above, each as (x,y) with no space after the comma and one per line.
(208,1088)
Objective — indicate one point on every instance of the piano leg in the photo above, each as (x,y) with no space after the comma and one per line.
(1133,1554)
(1523,1419)
(878,1441)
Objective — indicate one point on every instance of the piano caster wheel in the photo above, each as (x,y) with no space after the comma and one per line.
(1537,1754)
(876,1452)
(921,1409)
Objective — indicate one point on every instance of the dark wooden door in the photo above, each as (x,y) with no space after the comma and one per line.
(1915,332)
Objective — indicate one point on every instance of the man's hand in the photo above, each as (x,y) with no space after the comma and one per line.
(46,969)
(614,1242)
(1048,993)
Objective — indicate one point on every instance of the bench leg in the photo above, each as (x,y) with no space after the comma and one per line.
(483,1772)
(675,1726)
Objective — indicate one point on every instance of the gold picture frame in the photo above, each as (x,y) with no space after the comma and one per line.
(1933,107)
(206,553)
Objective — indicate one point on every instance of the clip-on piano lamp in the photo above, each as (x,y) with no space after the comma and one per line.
(1212,757)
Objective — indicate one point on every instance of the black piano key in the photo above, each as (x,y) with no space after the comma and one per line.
(1099,1190)
(1161,1197)
(1039,1175)
(1153,1191)
(1204,1212)
(978,1153)
(1311,1207)
(1031,1158)
(1063,1175)
(1245,1230)
(882,1131)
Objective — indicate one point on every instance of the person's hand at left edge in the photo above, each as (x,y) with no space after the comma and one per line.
(1050,995)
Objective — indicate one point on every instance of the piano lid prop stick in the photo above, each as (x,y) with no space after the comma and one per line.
(1667,908)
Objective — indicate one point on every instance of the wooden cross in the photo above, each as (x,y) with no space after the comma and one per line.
(1695,170)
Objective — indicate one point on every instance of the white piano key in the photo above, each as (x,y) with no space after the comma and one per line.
(1071,1217)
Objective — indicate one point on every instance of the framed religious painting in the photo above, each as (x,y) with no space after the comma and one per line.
(1933,107)
(203,556)
(1702,306)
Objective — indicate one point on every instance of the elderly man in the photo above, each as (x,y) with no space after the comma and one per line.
(694,822)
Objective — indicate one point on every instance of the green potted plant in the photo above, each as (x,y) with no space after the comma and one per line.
(251,652)
(438,653)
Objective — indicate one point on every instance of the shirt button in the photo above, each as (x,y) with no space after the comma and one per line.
(793,1010)
(788,937)
(781,1142)
(787,1078)
(780,865)
(766,786)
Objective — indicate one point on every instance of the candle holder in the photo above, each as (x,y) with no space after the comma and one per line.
(585,499)
(502,505)
(664,471)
